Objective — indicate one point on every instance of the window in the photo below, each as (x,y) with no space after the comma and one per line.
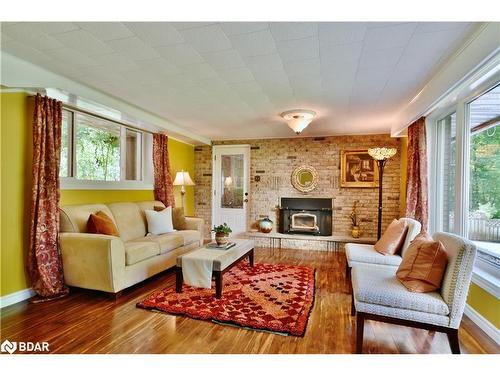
(447,156)
(484,164)
(464,178)
(100,150)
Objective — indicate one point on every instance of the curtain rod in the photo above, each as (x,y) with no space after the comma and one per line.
(90,113)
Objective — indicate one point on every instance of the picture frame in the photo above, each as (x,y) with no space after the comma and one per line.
(358,169)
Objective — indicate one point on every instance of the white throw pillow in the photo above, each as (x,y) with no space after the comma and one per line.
(160,222)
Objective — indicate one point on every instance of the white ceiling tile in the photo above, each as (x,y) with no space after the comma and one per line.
(235,28)
(159,66)
(426,27)
(299,49)
(180,54)
(54,27)
(237,75)
(348,76)
(116,61)
(300,67)
(380,58)
(106,30)
(29,35)
(199,71)
(254,44)
(71,56)
(207,39)
(84,42)
(332,51)
(189,25)
(390,36)
(341,32)
(133,47)
(224,59)
(264,62)
(293,30)
(155,33)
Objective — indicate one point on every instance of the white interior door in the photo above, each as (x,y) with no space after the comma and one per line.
(230,182)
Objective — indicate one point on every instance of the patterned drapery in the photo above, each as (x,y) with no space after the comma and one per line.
(163,188)
(416,183)
(44,260)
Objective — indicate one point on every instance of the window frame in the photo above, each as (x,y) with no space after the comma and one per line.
(145,182)
(487,265)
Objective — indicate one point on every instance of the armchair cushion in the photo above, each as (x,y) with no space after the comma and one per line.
(423,265)
(379,286)
(361,253)
(393,238)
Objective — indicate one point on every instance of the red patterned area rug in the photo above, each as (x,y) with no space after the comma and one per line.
(272,297)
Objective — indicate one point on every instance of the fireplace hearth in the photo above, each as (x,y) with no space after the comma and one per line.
(306,216)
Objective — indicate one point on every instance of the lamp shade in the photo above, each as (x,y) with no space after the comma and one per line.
(298,119)
(183,179)
(382,153)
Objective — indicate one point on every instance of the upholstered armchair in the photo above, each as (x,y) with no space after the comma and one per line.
(378,295)
(363,254)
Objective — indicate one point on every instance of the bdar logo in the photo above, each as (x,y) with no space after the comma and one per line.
(8,346)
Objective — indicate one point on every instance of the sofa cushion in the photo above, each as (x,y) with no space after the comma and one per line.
(393,238)
(166,242)
(178,217)
(379,286)
(74,217)
(362,253)
(100,223)
(159,222)
(129,220)
(189,236)
(423,265)
(136,251)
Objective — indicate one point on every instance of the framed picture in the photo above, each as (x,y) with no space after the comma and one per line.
(358,169)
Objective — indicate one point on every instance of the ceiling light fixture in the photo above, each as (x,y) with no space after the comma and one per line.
(298,119)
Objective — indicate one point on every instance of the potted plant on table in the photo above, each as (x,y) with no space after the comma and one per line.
(355,232)
(222,234)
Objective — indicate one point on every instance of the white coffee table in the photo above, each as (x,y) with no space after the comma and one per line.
(223,260)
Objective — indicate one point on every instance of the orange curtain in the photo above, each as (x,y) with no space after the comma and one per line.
(416,183)
(163,187)
(44,260)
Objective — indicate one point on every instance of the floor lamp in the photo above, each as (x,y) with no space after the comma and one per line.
(183,179)
(381,155)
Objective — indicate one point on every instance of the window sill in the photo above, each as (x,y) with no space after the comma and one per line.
(74,184)
(486,268)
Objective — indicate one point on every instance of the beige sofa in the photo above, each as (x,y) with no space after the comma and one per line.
(111,264)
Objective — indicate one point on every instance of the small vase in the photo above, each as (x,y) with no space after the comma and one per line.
(221,238)
(355,232)
(266,225)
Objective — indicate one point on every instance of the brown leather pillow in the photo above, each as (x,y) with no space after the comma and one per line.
(100,223)
(423,265)
(393,238)
(178,218)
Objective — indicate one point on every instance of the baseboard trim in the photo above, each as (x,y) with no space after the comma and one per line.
(16,297)
(483,323)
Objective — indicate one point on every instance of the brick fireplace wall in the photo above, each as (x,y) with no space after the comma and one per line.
(273,160)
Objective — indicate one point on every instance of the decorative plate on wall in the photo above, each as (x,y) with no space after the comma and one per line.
(305,179)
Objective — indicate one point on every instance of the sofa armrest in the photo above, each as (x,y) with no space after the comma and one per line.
(93,261)
(195,223)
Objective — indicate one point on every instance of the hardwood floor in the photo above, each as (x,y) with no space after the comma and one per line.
(89,322)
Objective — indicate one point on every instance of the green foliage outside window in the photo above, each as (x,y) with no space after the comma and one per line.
(485,172)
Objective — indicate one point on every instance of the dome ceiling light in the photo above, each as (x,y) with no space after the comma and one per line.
(298,119)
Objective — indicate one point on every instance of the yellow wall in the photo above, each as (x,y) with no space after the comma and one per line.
(485,304)
(16,184)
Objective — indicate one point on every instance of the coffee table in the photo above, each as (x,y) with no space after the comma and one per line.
(223,260)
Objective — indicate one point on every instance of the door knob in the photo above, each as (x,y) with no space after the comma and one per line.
(245,200)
